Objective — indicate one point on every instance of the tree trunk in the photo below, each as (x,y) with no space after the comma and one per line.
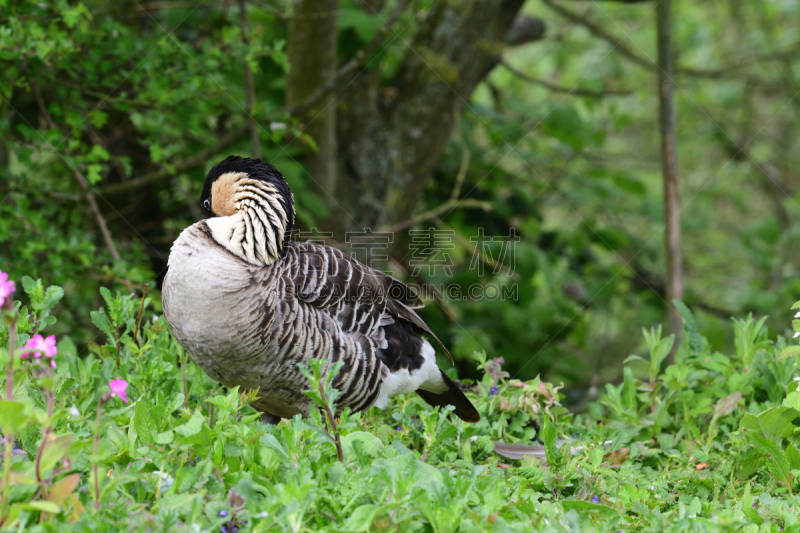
(392,133)
(672,202)
(312,60)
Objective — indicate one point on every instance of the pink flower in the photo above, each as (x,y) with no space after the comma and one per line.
(44,345)
(6,287)
(119,387)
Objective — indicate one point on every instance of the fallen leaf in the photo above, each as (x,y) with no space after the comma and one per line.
(617,457)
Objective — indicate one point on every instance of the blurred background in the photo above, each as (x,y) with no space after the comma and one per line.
(444,123)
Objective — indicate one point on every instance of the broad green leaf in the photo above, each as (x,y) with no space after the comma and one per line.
(12,416)
(165,437)
(192,426)
(790,351)
(43,506)
(548,436)
(370,444)
(144,424)
(727,405)
(776,423)
(776,459)
(361,519)
(271,442)
(773,424)
(55,450)
(747,507)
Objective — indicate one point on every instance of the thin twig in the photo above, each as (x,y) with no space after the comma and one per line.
(183,361)
(12,344)
(574,91)
(197,160)
(101,222)
(139,318)
(331,421)
(96,453)
(466,155)
(622,49)
(431,214)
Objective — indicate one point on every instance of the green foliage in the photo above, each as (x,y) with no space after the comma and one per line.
(713,455)
(118,93)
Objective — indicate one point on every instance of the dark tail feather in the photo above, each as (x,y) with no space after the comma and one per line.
(464,409)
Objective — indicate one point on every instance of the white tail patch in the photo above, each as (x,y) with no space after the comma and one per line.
(427,377)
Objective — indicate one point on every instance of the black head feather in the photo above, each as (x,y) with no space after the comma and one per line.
(255,169)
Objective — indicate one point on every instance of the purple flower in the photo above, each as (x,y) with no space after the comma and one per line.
(46,346)
(399,428)
(595,499)
(223,514)
(224,529)
(119,388)
(6,287)
(494,390)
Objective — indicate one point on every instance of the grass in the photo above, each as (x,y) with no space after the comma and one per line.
(706,444)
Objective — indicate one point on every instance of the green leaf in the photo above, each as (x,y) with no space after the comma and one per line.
(548,436)
(165,437)
(629,391)
(271,442)
(364,24)
(777,422)
(144,424)
(361,519)
(43,506)
(593,512)
(564,123)
(101,321)
(777,461)
(790,351)
(727,405)
(370,444)
(628,184)
(12,416)
(55,450)
(793,454)
(747,507)
(192,426)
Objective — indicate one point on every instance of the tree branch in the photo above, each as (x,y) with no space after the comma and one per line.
(441,209)
(187,164)
(101,222)
(672,200)
(452,203)
(566,90)
(619,47)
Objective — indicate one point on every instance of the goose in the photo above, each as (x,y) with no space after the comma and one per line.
(249,305)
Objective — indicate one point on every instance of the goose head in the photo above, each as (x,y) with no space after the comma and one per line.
(249,209)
